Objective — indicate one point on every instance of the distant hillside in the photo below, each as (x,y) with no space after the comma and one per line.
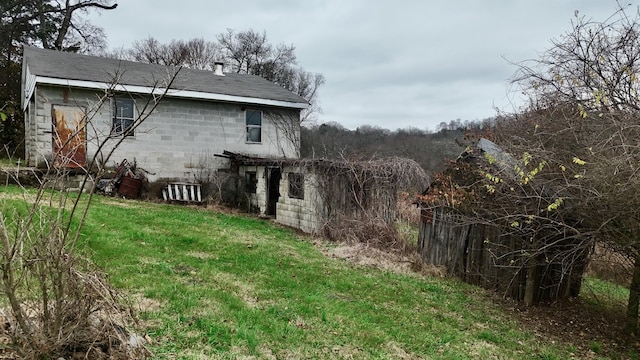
(428,149)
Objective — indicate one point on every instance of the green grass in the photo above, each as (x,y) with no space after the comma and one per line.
(9,163)
(604,293)
(234,287)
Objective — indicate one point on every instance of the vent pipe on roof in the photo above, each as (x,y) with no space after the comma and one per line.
(218,67)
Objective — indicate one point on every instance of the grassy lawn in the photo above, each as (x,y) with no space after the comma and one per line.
(5,163)
(224,286)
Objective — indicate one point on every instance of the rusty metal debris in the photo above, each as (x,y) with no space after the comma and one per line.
(127,181)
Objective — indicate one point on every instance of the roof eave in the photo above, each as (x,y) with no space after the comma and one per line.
(187,94)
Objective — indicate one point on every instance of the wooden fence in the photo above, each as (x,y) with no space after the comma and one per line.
(480,255)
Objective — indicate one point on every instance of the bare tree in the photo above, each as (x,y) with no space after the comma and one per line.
(59,27)
(249,52)
(201,54)
(53,24)
(582,136)
(195,53)
(594,69)
(50,24)
(152,51)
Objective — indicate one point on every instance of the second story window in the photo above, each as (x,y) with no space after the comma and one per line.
(253,120)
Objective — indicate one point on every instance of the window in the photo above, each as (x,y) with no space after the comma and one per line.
(123,117)
(250,182)
(253,119)
(296,186)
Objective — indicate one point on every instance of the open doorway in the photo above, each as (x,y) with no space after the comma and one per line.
(273,189)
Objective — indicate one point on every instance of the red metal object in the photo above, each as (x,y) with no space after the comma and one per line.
(129,187)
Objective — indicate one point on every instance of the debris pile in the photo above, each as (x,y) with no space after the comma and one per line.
(127,181)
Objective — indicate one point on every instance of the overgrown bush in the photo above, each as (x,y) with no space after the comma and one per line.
(55,302)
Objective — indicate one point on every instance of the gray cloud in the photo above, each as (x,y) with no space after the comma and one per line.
(388,64)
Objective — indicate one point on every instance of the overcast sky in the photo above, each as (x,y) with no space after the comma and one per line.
(392,64)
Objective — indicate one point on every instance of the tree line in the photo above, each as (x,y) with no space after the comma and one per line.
(429,149)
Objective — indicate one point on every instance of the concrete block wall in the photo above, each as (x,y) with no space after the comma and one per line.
(172,142)
(30,131)
(304,214)
(38,120)
(259,199)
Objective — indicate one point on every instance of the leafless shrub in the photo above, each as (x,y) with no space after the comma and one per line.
(56,303)
(212,179)
(361,199)
(408,211)
(365,228)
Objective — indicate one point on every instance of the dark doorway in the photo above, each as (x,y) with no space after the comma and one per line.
(273,189)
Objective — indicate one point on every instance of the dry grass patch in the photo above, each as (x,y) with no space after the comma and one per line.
(28,198)
(243,290)
(202,255)
(125,204)
(365,255)
(145,304)
(397,352)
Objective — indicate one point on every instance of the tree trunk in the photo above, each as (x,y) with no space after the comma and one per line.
(531,284)
(631,322)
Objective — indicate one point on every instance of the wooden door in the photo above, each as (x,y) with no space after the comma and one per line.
(69,137)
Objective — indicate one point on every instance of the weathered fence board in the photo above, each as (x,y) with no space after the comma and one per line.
(480,255)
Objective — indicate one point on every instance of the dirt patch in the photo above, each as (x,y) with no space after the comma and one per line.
(397,352)
(593,331)
(389,260)
(145,304)
(365,255)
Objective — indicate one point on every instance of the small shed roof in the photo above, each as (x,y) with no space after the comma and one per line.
(77,70)
(402,172)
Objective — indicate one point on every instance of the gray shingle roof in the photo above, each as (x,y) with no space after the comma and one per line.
(70,66)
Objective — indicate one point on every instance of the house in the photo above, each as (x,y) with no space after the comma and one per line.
(73,103)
